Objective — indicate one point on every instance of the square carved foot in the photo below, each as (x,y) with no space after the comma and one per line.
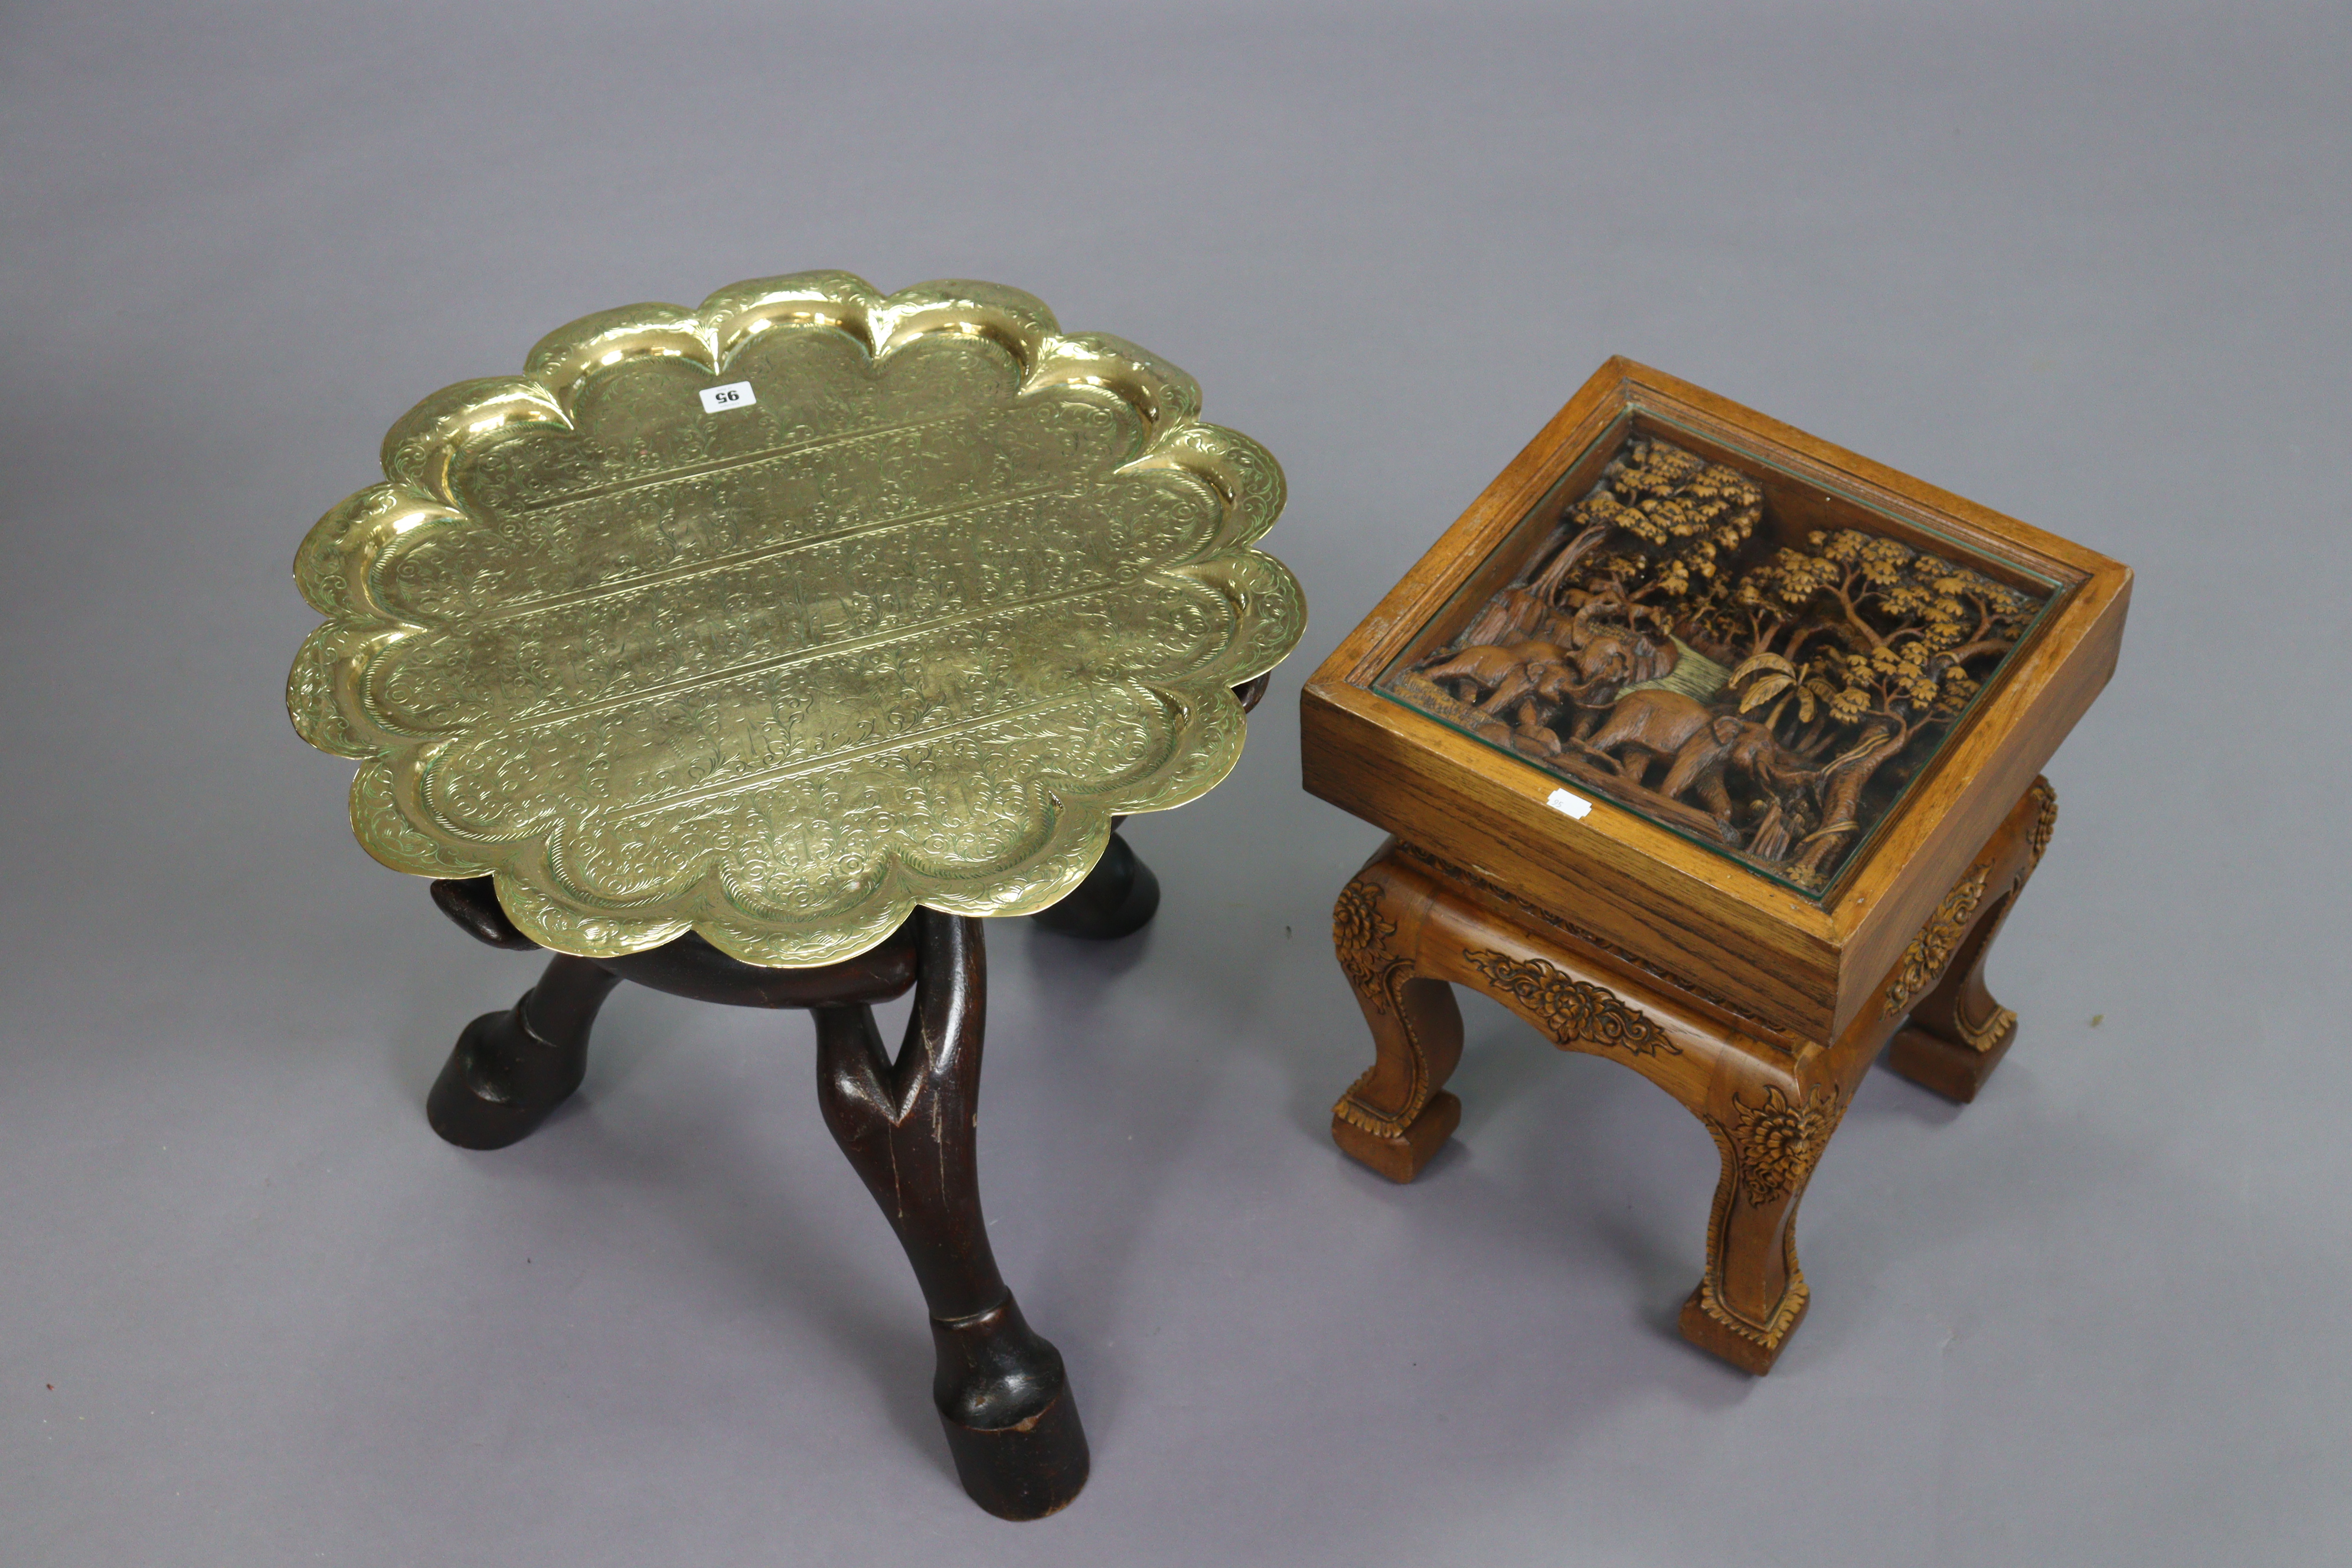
(1753,1350)
(1401,1156)
(1954,1071)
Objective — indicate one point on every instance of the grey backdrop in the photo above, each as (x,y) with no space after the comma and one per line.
(2088,270)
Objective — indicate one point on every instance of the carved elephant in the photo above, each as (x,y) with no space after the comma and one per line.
(1535,680)
(1704,745)
(1619,657)
(1608,660)
(1647,725)
(1729,743)
(1538,680)
(1490,666)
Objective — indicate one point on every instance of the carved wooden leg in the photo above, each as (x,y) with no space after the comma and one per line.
(1117,899)
(907,1126)
(1957,1032)
(1769,1131)
(512,1068)
(1395,1117)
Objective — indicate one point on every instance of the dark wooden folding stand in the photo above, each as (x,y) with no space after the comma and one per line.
(907,1125)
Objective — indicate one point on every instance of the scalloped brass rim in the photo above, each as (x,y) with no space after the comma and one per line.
(1091,474)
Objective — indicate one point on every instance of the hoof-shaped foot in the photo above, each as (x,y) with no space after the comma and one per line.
(1750,1347)
(1117,899)
(1956,1070)
(501,1082)
(1012,1422)
(1399,1156)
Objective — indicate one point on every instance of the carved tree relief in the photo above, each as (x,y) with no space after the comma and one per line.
(1767,694)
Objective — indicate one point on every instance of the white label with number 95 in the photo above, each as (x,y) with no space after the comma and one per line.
(734,394)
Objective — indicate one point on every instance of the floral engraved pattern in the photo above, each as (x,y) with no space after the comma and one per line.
(1360,936)
(1924,958)
(1761,1029)
(774,618)
(1778,1141)
(1573,1010)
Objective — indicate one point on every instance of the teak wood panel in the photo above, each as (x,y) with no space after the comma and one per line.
(1806,965)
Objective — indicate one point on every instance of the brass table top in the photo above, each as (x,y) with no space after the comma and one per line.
(777,617)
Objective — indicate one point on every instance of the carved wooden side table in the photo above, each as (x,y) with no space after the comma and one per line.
(751,653)
(1714,750)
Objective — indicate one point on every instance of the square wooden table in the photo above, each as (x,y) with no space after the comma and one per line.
(1713,749)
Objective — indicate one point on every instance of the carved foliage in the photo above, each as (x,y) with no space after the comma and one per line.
(1925,957)
(1574,1012)
(1761,1029)
(1780,1139)
(1983,1037)
(2045,821)
(1360,936)
(1790,682)
(1769,1335)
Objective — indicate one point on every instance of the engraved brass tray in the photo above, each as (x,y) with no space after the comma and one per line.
(904,611)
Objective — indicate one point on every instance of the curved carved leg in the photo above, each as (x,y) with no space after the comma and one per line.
(1957,1032)
(1117,899)
(1397,1115)
(512,1068)
(907,1126)
(1770,1131)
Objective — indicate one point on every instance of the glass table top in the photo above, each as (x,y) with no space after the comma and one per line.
(1675,637)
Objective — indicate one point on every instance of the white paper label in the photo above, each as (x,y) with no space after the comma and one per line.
(734,394)
(1569,805)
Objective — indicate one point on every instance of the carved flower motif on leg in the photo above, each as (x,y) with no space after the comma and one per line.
(1778,1141)
(1360,936)
(2045,820)
(1923,959)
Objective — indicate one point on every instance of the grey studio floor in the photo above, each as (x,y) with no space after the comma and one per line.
(2084,265)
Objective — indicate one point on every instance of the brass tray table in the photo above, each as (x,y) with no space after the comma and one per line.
(753,653)
(1714,749)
